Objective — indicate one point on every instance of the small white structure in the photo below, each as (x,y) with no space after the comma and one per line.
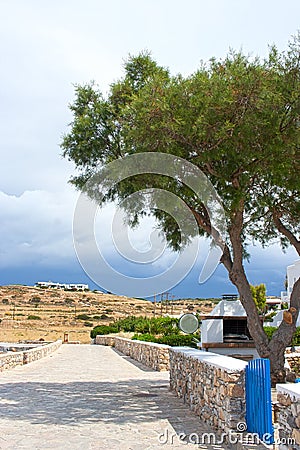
(293,273)
(65,286)
(224,331)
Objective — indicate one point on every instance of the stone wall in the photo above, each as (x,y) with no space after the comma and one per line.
(40,352)
(105,340)
(288,397)
(212,385)
(10,360)
(150,354)
(293,360)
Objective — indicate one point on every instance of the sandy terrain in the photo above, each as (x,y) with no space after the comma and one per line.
(30,313)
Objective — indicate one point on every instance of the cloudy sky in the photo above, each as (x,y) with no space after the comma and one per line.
(46,48)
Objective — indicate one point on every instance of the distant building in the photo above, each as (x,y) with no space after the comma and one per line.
(293,273)
(65,286)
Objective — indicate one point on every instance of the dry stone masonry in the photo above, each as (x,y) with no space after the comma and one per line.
(150,354)
(288,397)
(212,385)
(10,360)
(293,360)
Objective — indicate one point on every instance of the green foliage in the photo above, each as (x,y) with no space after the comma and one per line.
(259,296)
(35,299)
(174,340)
(88,324)
(142,325)
(33,317)
(178,340)
(83,317)
(103,317)
(270,331)
(236,119)
(296,337)
(153,325)
(147,337)
(103,329)
(269,316)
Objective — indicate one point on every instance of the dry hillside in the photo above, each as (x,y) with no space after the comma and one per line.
(30,313)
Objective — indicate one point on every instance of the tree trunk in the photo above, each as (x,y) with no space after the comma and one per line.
(275,349)
(283,337)
(255,326)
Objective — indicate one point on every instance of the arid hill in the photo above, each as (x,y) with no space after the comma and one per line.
(31,313)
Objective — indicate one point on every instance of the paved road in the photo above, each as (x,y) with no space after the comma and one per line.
(89,397)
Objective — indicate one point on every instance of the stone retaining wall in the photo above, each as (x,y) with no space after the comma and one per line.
(293,360)
(105,340)
(40,352)
(10,360)
(288,397)
(212,385)
(150,354)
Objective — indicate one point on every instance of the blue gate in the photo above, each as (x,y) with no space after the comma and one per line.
(258,400)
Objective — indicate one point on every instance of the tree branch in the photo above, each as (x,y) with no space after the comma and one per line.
(285,231)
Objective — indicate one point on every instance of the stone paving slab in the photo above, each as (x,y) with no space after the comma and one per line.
(89,397)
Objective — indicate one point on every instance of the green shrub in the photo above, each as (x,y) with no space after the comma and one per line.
(103,329)
(36,299)
(174,340)
(83,317)
(144,337)
(179,340)
(103,317)
(88,324)
(296,337)
(33,317)
(155,326)
(270,331)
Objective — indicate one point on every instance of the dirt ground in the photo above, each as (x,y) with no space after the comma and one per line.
(31,313)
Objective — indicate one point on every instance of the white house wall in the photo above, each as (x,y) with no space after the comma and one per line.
(212,331)
(293,273)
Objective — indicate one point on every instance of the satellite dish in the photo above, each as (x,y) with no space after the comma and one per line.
(188,323)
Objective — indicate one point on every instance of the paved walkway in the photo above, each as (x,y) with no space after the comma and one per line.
(89,397)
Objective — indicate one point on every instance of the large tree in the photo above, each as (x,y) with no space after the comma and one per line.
(237,119)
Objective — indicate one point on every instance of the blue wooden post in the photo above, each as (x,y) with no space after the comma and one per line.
(258,400)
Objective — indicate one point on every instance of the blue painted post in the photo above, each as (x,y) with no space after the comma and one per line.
(258,400)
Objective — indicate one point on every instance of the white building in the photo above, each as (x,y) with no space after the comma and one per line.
(293,273)
(65,286)
(224,331)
